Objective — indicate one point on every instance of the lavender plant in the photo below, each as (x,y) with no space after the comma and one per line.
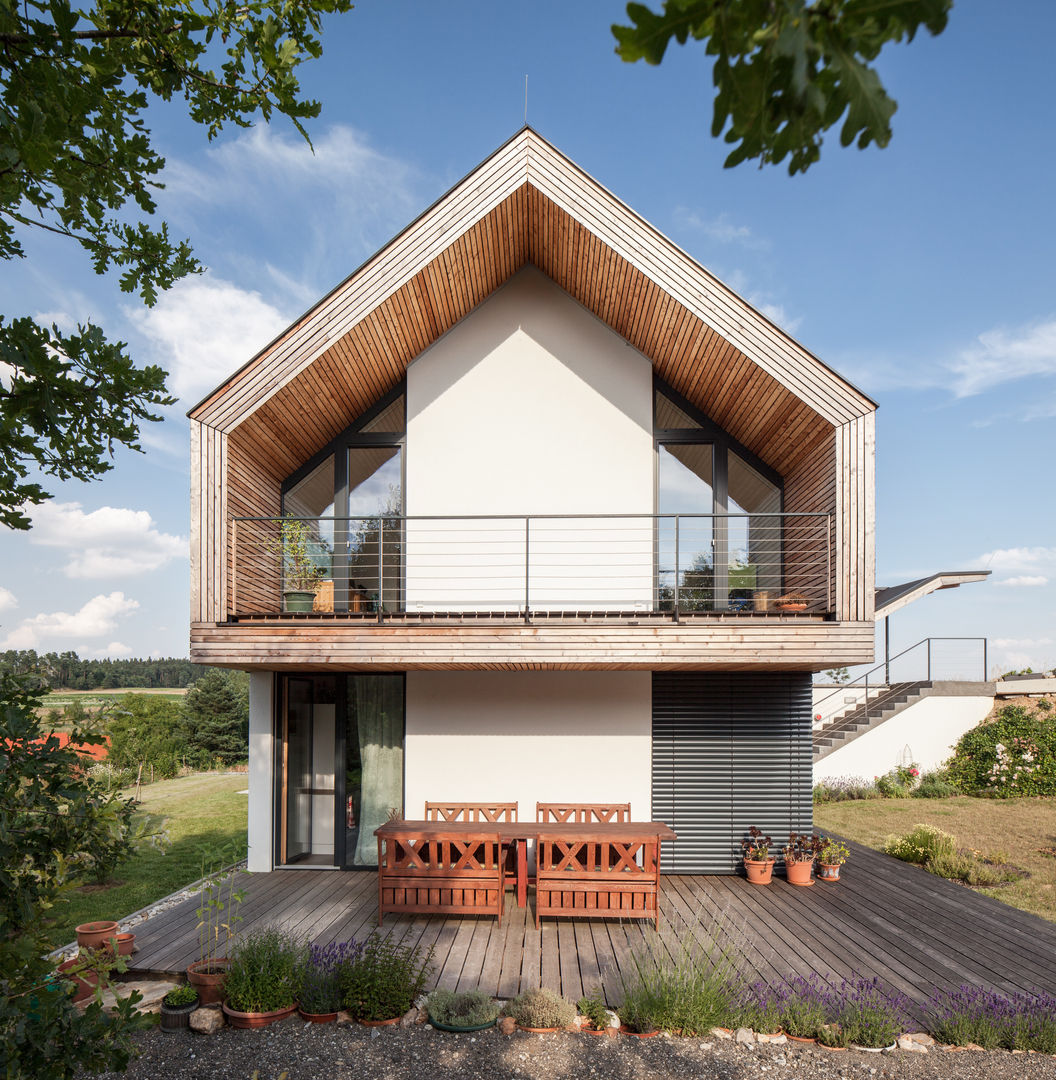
(973,1014)
(869,1014)
(760,1008)
(319,975)
(804,1006)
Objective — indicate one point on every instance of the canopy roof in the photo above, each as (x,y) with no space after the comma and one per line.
(893,597)
(528,203)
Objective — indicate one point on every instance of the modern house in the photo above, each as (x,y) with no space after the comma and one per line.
(575,523)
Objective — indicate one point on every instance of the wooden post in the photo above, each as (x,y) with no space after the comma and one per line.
(139,781)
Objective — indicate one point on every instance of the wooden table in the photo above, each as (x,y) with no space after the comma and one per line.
(519,833)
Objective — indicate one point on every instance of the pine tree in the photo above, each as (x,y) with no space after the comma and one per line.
(216,719)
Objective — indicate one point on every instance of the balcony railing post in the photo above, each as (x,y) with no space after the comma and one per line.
(830,585)
(527,577)
(984,659)
(929,659)
(676,569)
(234,567)
(381,568)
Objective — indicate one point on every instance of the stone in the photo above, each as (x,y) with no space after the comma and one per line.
(507,1025)
(721,1033)
(744,1036)
(409,1018)
(973,1046)
(206,1021)
(612,1032)
(907,1042)
(707,1046)
(152,991)
(920,1038)
(777,1039)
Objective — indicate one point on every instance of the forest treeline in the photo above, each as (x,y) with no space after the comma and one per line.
(67,671)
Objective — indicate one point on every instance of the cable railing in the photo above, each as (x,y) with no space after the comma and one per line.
(532,566)
(933,659)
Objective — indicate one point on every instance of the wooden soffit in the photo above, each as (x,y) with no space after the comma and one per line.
(529,204)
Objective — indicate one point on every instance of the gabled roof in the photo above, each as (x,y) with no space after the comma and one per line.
(528,203)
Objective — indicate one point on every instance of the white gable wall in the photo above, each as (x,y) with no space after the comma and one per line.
(530,405)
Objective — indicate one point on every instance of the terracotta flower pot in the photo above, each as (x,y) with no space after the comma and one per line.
(798,873)
(317,1018)
(381,1023)
(792,605)
(759,870)
(256,1019)
(539,1031)
(828,871)
(625,1030)
(94,935)
(207,977)
(799,1038)
(84,983)
(126,944)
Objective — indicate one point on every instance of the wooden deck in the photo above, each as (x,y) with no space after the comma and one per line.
(886,918)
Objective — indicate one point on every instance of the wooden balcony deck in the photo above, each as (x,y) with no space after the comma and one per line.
(915,931)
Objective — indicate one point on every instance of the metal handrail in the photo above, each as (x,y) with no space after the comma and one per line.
(886,665)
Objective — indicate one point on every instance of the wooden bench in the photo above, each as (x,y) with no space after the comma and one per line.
(503,811)
(597,873)
(582,813)
(438,872)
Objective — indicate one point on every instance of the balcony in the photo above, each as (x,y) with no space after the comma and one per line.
(633,569)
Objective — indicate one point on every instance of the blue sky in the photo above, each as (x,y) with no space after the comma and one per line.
(923,272)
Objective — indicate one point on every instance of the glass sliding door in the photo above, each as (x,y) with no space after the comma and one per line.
(296,812)
(374,731)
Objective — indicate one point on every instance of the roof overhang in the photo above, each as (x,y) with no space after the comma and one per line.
(893,597)
(529,204)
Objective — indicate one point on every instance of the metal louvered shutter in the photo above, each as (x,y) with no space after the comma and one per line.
(729,751)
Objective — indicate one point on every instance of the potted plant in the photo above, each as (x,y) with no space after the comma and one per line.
(759,1009)
(472,1010)
(793,601)
(261,983)
(300,550)
(541,1010)
(636,1019)
(832,855)
(177,1006)
(79,971)
(758,862)
(121,944)
(803,1007)
(385,981)
(319,979)
(800,853)
(217,918)
(870,1016)
(94,935)
(593,1007)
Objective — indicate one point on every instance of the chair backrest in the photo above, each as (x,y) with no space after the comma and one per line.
(582,813)
(436,811)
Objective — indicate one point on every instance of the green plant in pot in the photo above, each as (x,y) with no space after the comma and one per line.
(303,553)
(800,852)
(541,1009)
(471,1010)
(218,904)
(385,981)
(831,856)
(262,978)
(593,1007)
(177,1006)
(758,861)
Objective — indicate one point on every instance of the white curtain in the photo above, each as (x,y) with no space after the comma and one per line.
(377,701)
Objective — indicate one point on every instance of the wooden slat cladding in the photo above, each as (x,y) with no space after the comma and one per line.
(208,517)
(764,644)
(811,488)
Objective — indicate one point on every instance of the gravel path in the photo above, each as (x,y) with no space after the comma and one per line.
(351,1052)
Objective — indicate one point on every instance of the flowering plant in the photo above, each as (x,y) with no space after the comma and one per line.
(802,848)
(832,852)
(756,847)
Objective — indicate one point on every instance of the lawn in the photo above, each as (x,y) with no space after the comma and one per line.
(202,812)
(1018,831)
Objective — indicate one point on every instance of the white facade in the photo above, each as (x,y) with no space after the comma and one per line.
(531,736)
(530,406)
(261,770)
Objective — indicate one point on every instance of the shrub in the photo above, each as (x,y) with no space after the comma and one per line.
(760,1009)
(804,1006)
(845,789)
(593,1007)
(935,785)
(472,1008)
(386,979)
(319,975)
(181,995)
(924,844)
(991,1020)
(262,974)
(690,992)
(1011,755)
(868,1014)
(541,1008)
(936,851)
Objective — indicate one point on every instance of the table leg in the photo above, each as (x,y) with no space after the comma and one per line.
(522,873)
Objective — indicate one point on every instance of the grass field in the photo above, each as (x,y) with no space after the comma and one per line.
(202,812)
(1018,831)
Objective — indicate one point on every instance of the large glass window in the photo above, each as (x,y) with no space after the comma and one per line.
(685,550)
(375,496)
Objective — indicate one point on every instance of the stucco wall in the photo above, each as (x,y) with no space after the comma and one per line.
(261,770)
(530,405)
(546,736)
(925,733)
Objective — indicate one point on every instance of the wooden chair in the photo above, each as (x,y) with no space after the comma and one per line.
(601,876)
(438,873)
(582,813)
(479,812)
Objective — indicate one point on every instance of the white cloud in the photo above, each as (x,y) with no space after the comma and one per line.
(114,649)
(1019,558)
(7,599)
(203,329)
(1002,355)
(99,616)
(1024,581)
(720,229)
(1021,643)
(108,542)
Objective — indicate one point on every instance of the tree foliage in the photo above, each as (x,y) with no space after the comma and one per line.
(216,717)
(56,828)
(787,70)
(76,160)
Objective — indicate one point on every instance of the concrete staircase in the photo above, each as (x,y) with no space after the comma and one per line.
(857,719)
